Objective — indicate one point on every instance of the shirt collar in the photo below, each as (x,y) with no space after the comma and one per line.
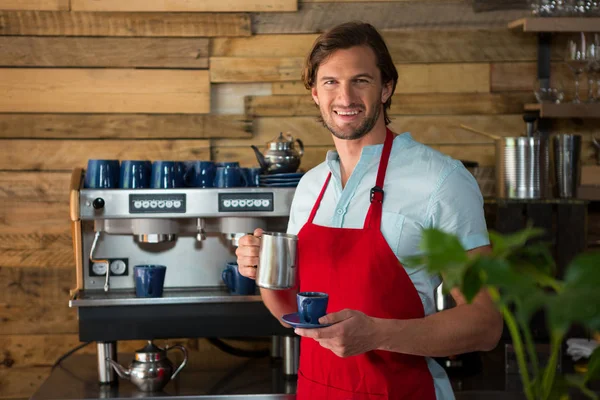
(367,152)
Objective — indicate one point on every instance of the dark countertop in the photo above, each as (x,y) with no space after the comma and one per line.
(252,379)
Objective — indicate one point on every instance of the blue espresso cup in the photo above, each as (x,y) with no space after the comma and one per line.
(167,174)
(228,164)
(229,177)
(149,280)
(312,306)
(200,174)
(102,174)
(252,176)
(135,174)
(237,283)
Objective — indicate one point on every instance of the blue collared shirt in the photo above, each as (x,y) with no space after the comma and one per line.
(423,189)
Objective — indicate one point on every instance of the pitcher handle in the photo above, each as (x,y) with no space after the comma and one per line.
(185,358)
(301,145)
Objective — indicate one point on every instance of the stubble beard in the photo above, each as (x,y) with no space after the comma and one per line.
(364,128)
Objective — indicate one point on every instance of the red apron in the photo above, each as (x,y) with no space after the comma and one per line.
(359,271)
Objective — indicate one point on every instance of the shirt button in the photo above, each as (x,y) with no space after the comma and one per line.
(340,211)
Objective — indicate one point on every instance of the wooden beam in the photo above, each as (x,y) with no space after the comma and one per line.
(441,129)
(408,46)
(18,218)
(227,99)
(186,5)
(57,259)
(32,285)
(60,23)
(104,90)
(38,317)
(402,104)
(235,69)
(124,126)
(317,17)
(521,76)
(65,155)
(40,5)
(37,51)
(36,241)
(443,78)
(279,88)
(556,24)
(52,187)
(263,46)
(413,78)
(494,5)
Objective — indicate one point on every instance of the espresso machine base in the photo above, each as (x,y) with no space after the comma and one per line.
(247,319)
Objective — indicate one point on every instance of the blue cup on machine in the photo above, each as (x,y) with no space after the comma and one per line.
(252,176)
(167,174)
(236,283)
(311,306)
(149,280)
(135,174)
(102,174)
(200,174)
(229,177)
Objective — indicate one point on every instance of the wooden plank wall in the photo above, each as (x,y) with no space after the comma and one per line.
(84,79)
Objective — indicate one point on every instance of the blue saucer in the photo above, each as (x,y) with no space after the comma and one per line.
(279,180)
(284,175)
(294,320)
(281,185)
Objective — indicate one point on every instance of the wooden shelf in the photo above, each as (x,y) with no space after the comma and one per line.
(566,110)
(561,24)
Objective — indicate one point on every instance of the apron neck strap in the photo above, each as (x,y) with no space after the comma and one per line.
(373,219)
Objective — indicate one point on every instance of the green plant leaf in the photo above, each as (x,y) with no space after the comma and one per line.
(593,371)
(442,254)
(471,282)
(579,300)
(503,245)
(560,388)
(579,382)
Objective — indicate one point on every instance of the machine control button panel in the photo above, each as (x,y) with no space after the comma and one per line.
(157,203)
(242,202)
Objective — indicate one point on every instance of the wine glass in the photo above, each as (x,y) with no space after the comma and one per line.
(576,59)
(593,66)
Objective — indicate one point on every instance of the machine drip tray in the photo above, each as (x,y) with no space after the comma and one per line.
(120,297)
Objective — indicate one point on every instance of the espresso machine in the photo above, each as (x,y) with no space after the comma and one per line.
(192,231)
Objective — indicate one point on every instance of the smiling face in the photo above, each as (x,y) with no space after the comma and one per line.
(349,92)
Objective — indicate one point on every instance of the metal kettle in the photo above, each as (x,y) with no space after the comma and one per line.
(151,370)
(281,155)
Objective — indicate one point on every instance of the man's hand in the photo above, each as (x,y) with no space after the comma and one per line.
(352,333)
(247,254)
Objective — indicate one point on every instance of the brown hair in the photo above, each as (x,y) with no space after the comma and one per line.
(348,35)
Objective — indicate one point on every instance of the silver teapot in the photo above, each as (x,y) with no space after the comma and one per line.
(281,155)
(151,370)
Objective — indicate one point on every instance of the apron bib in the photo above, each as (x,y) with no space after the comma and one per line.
(359,271)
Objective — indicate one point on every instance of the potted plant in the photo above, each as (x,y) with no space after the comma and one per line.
(519,275)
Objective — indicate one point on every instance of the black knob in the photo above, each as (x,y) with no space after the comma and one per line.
(98,203)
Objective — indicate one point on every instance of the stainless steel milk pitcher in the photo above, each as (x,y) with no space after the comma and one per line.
(278,264)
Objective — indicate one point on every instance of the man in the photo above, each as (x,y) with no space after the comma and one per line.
(357,215)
